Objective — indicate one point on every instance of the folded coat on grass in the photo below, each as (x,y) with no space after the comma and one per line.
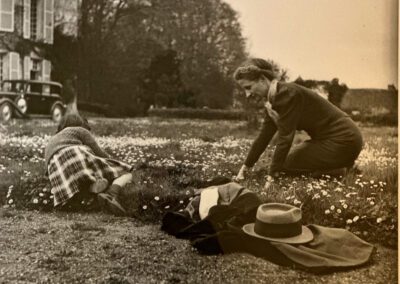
(331,249)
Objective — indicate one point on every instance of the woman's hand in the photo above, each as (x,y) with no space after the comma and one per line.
(242,174)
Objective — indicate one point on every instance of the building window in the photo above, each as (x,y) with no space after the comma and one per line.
(7,15)
(34,19)
(36,70)
(27,19)
(48,20)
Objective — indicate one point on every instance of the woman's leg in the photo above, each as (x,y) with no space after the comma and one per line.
(322,156)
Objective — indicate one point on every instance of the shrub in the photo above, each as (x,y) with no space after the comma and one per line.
(389,119)
(198,113)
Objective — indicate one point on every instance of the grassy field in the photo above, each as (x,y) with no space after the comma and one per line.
(172,158)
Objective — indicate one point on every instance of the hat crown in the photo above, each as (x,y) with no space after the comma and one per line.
(277,213)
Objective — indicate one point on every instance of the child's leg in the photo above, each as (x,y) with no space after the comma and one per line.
(123,180)
(98,186)
(119,183)
(109,199)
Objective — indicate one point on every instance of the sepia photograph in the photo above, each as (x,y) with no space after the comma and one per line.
(199,141)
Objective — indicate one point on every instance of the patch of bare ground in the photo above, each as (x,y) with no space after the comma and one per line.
(62,247)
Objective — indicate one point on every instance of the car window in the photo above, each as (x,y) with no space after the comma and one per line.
(55,90)
(6,86)
(46,89)
(16,87)
(36,88)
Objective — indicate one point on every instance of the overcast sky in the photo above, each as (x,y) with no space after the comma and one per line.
(353,40)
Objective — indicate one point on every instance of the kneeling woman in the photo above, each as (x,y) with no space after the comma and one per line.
(335,140)
(76,163)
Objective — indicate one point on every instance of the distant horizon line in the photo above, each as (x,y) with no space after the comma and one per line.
(348,85)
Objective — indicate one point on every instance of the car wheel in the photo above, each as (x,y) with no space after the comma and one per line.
(5,111)
(57,113)
(22,104)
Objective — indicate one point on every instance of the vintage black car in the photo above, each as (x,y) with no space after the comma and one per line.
(24,98)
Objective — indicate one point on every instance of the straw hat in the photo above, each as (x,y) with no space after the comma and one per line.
(279,223)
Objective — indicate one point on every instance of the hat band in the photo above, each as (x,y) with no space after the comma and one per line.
(278,230)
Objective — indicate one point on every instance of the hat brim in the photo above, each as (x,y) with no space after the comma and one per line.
(305,236)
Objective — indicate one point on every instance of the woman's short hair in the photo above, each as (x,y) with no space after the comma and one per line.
(73,120)
(253,68)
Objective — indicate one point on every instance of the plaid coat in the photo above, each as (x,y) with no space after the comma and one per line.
(74,168)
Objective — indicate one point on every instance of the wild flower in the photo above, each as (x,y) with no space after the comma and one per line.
(349,221)
(316,196)
(327,211)
(296,202)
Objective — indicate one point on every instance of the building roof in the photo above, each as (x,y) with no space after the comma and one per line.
(367,99)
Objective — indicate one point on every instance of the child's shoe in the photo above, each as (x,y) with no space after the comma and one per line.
(111,204)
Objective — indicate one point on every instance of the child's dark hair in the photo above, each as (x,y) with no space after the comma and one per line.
(73,120)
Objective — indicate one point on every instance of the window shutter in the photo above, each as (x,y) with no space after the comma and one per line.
(48,20)
(46,70)
(14,65)
(7,15)
(6,66)
(27,19)
(27,67)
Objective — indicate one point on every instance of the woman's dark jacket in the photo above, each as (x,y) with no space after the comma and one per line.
(299,108)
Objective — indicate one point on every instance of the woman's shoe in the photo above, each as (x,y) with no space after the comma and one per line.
(111,204)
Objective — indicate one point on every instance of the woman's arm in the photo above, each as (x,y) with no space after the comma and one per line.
(261,142)
(289,105)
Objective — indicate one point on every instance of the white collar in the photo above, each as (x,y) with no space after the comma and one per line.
(273,87)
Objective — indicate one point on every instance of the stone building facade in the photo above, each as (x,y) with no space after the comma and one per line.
(26,36)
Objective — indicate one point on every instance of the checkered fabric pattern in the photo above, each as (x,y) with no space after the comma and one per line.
(75,168)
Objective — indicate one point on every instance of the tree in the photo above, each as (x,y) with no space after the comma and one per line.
(206,37)
(163,83)
(336,91)
(64,56)
(134,53)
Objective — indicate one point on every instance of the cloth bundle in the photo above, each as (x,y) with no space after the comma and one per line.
(220,231)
